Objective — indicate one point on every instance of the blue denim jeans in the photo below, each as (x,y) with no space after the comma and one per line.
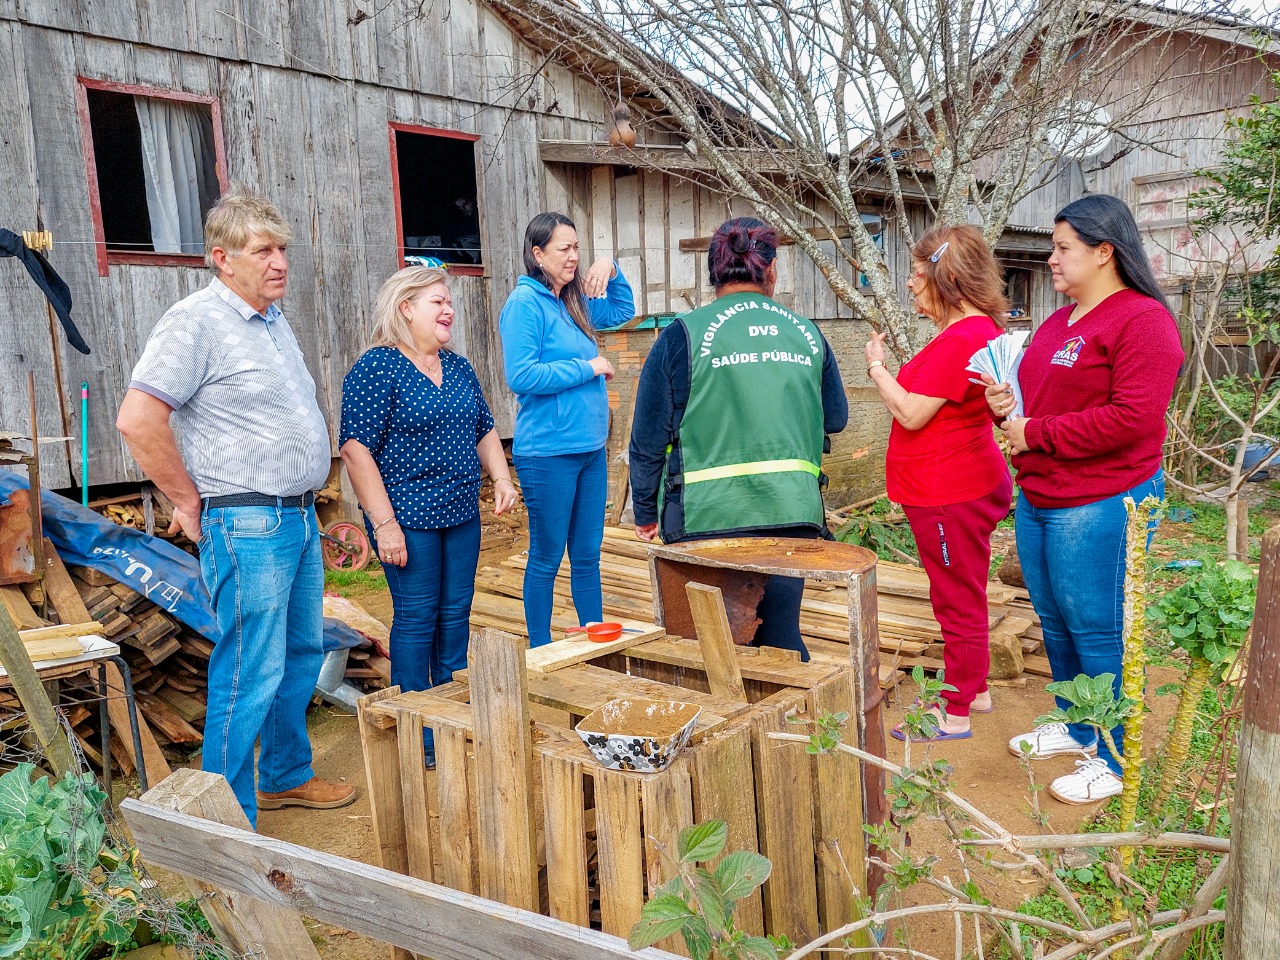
(565,497)
(262,568)
(431,599)
(1073,563)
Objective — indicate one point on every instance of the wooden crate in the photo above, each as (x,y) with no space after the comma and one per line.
(607,838)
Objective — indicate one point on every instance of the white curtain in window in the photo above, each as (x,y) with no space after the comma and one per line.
(179,170)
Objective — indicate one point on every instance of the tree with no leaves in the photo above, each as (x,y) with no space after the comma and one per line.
(815,112)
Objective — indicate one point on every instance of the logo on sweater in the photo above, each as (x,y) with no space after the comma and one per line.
(1069,352)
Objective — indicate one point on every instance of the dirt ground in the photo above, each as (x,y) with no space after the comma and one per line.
(985,774)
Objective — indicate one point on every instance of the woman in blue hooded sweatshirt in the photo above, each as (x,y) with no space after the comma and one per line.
(554,367)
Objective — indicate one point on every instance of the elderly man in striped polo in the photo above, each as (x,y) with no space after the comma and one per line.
(224,368)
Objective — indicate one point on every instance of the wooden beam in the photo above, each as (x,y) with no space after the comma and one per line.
(663,157)
(711,623)
(89,628)
(411,914)
(34,699)
(504,769)
(250,926)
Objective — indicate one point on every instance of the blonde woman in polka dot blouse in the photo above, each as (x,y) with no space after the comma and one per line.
(416,433)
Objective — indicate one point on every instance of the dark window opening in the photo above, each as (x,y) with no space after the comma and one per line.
(156,164)
(1017,285)
(438,197)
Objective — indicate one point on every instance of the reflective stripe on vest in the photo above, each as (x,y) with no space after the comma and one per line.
(748,469)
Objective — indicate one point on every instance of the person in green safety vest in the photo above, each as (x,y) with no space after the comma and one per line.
(733,407)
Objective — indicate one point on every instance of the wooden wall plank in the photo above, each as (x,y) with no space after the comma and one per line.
(563,809)
(413,780)
(504,769)
(621,851)
(628,249)
(455,806)
(783,786)
(666,803)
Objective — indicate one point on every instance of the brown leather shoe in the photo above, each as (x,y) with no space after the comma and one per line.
(316,793)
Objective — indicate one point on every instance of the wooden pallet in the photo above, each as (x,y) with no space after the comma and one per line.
(908,630)
(505,786)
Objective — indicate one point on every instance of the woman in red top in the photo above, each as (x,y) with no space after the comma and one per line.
(944,466)
(1096,380)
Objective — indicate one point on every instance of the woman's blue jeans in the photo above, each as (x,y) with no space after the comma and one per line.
(565,497)
(265,577)
(1073,564)
(431,607)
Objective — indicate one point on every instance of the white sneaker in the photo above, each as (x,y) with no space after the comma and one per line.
(1092,781)
(1051,740)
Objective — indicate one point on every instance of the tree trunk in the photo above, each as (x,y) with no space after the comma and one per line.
(1234,505)
(1253,901)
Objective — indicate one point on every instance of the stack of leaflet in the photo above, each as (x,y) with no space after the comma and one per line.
(999,359)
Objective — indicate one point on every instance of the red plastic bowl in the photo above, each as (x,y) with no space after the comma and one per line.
(599,632)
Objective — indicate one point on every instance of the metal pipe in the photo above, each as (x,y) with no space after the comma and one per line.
(84,443)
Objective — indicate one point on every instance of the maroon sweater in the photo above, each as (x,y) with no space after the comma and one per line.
(1095,395)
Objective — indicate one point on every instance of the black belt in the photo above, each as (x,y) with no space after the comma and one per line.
(259,500)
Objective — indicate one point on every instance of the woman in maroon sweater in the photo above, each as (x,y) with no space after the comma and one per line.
(1096,381)
(944,466)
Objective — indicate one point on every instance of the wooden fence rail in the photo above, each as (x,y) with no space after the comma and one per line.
(417,916)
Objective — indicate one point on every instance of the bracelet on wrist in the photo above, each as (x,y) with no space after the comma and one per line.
(378,526)
(507,479)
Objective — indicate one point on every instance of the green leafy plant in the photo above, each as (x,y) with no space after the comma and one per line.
(1093,701)
(698,902)
(60,876)
(1209,618)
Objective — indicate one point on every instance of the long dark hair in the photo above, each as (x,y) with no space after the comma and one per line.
(538,234)
(1099,218)
(741,251)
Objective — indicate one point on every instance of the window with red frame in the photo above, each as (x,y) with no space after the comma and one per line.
(437,197)
(155,160)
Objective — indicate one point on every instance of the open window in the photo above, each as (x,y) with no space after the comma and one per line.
(155,166)
(433,173)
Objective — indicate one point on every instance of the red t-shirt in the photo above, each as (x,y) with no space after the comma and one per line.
(1096,392)
(953,457)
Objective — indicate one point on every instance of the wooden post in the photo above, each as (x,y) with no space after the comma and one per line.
(1253,901)
(35,701)
(248,926)
(711,623)
(504,769)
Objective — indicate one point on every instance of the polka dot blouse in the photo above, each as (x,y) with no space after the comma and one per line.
(422,437)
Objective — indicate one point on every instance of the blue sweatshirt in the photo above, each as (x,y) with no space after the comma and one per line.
(564,407)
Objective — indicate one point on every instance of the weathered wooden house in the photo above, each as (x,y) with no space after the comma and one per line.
(1157,123)
(402,131)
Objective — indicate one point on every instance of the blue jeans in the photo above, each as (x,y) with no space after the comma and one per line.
(431,599)
(262,568)
(565,497)
(1073,563)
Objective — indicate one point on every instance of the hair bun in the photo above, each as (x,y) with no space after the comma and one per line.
(740,240)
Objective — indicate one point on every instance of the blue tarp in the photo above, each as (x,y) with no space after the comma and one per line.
(165,575)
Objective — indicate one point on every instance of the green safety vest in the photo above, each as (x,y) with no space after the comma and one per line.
(751,435)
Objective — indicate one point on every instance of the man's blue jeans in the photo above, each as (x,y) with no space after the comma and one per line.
(264,574)
(431,599)
(565,497)
(1073,564)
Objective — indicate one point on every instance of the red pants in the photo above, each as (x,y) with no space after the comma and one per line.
(955,548)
